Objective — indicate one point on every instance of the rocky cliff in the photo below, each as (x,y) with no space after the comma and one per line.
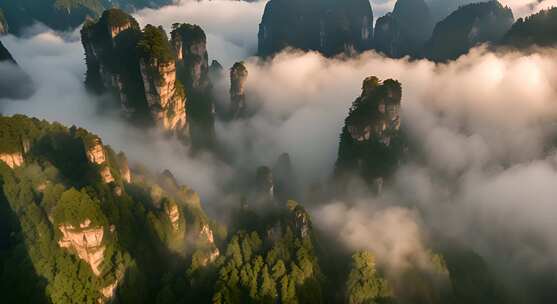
(138,68)
(467,27)
(86,241)
(404,31)
(328,26)
(165,95)
(192,61)
(96,155)
(370,144)
(238,78)
(13,160)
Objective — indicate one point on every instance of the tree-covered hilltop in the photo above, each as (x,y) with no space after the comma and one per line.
(539,29)
(469,26)
(370,143)
(78,227)
(64,14)
(138,68)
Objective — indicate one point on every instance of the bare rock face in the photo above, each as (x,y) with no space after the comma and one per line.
(174,215)
(95,152)
(165,98)
(190,44)
(330,27)
(380,115)
(238,78)
(86,241)
(112,35)
(371,144)
(207,234)
(13,160)
(96,155)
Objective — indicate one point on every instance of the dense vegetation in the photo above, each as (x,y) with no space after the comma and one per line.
(404,31)
(539,29)
(327,26)
(371,142)
(64,14)
(467,27)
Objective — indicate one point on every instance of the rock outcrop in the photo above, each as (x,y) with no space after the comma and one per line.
(190,46)
(165,95)
(138,68)
(467,27)
(330,27)
(86,241)
(114,35)
(370,144)
(96,155)
(404,31)
(13,160)
(238,78)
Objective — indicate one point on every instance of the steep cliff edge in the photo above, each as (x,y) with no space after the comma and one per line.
(404,31)
(165,95)
(370,142)
(192,63)
(138,68)
(330,27)
(467,27)
(238,78)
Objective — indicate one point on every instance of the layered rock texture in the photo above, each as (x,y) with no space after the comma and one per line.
(97,156)
(328,26)
(370,142)
(192,61)
(86,241)
(13,160)
(467,27)
(404,31)
(238,79)
(138,68)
